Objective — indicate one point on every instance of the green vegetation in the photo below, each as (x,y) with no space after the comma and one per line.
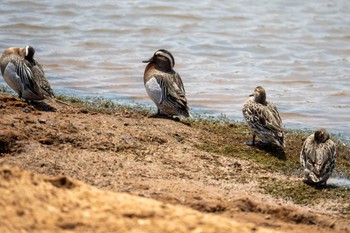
(228,138)
(4,90)
(301,193)
(100,104)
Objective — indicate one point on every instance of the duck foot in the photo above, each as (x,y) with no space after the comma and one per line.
(256,143)
(175,118)
(156,115)
(319,185)
(159,115)
(249,143)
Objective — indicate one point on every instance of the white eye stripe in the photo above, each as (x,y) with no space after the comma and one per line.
(27,47)
(167,56)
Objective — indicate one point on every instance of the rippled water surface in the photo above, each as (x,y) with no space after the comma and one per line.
(298,50)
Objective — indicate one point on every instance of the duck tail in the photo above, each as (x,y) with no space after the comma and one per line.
(280,140)
(60,102)
(187,114)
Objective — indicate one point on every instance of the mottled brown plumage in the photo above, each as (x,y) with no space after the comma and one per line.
(318,157)
(263,118)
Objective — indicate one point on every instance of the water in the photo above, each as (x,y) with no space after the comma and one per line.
(342,182)
(298,50)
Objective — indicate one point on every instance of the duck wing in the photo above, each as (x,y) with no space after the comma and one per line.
(179,83)
(326,157)
(261,117)
(19,71)
(41,80)
(272,107)
(173,92)
(308,153)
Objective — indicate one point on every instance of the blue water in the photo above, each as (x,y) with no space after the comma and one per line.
(298,50)
(341,182)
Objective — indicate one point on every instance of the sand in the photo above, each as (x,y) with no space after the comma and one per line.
(76,169)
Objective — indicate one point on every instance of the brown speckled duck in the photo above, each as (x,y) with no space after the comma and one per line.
(24,74)
(164,85)
(263,118)
(318,156)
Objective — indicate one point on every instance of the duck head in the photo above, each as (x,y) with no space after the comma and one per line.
(163,59)
(321,135)
(259,95)
(29,53)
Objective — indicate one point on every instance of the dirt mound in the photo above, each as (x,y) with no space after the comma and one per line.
(35,203)
(9,141)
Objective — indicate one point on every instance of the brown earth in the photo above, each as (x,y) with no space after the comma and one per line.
(128,152)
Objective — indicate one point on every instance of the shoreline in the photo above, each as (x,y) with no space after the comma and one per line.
(202,164)
(198,114)
(210,114)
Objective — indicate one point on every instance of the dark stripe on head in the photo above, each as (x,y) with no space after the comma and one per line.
(29,52)
(167,55)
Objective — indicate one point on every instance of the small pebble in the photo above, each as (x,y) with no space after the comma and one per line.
(46,141)
(42,121)
(26,110)
(127,137)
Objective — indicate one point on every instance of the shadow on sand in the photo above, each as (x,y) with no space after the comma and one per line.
(161,116)
(42,106)
(320,186)
(270,149)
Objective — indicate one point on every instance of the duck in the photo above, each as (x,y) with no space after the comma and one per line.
(263,119)
(24,74)
(318,157)
(164,85)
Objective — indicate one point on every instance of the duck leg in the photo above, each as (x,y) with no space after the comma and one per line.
(253,141)
(157,115)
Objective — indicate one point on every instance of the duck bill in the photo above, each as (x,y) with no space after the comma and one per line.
(251,95)
(149,60)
